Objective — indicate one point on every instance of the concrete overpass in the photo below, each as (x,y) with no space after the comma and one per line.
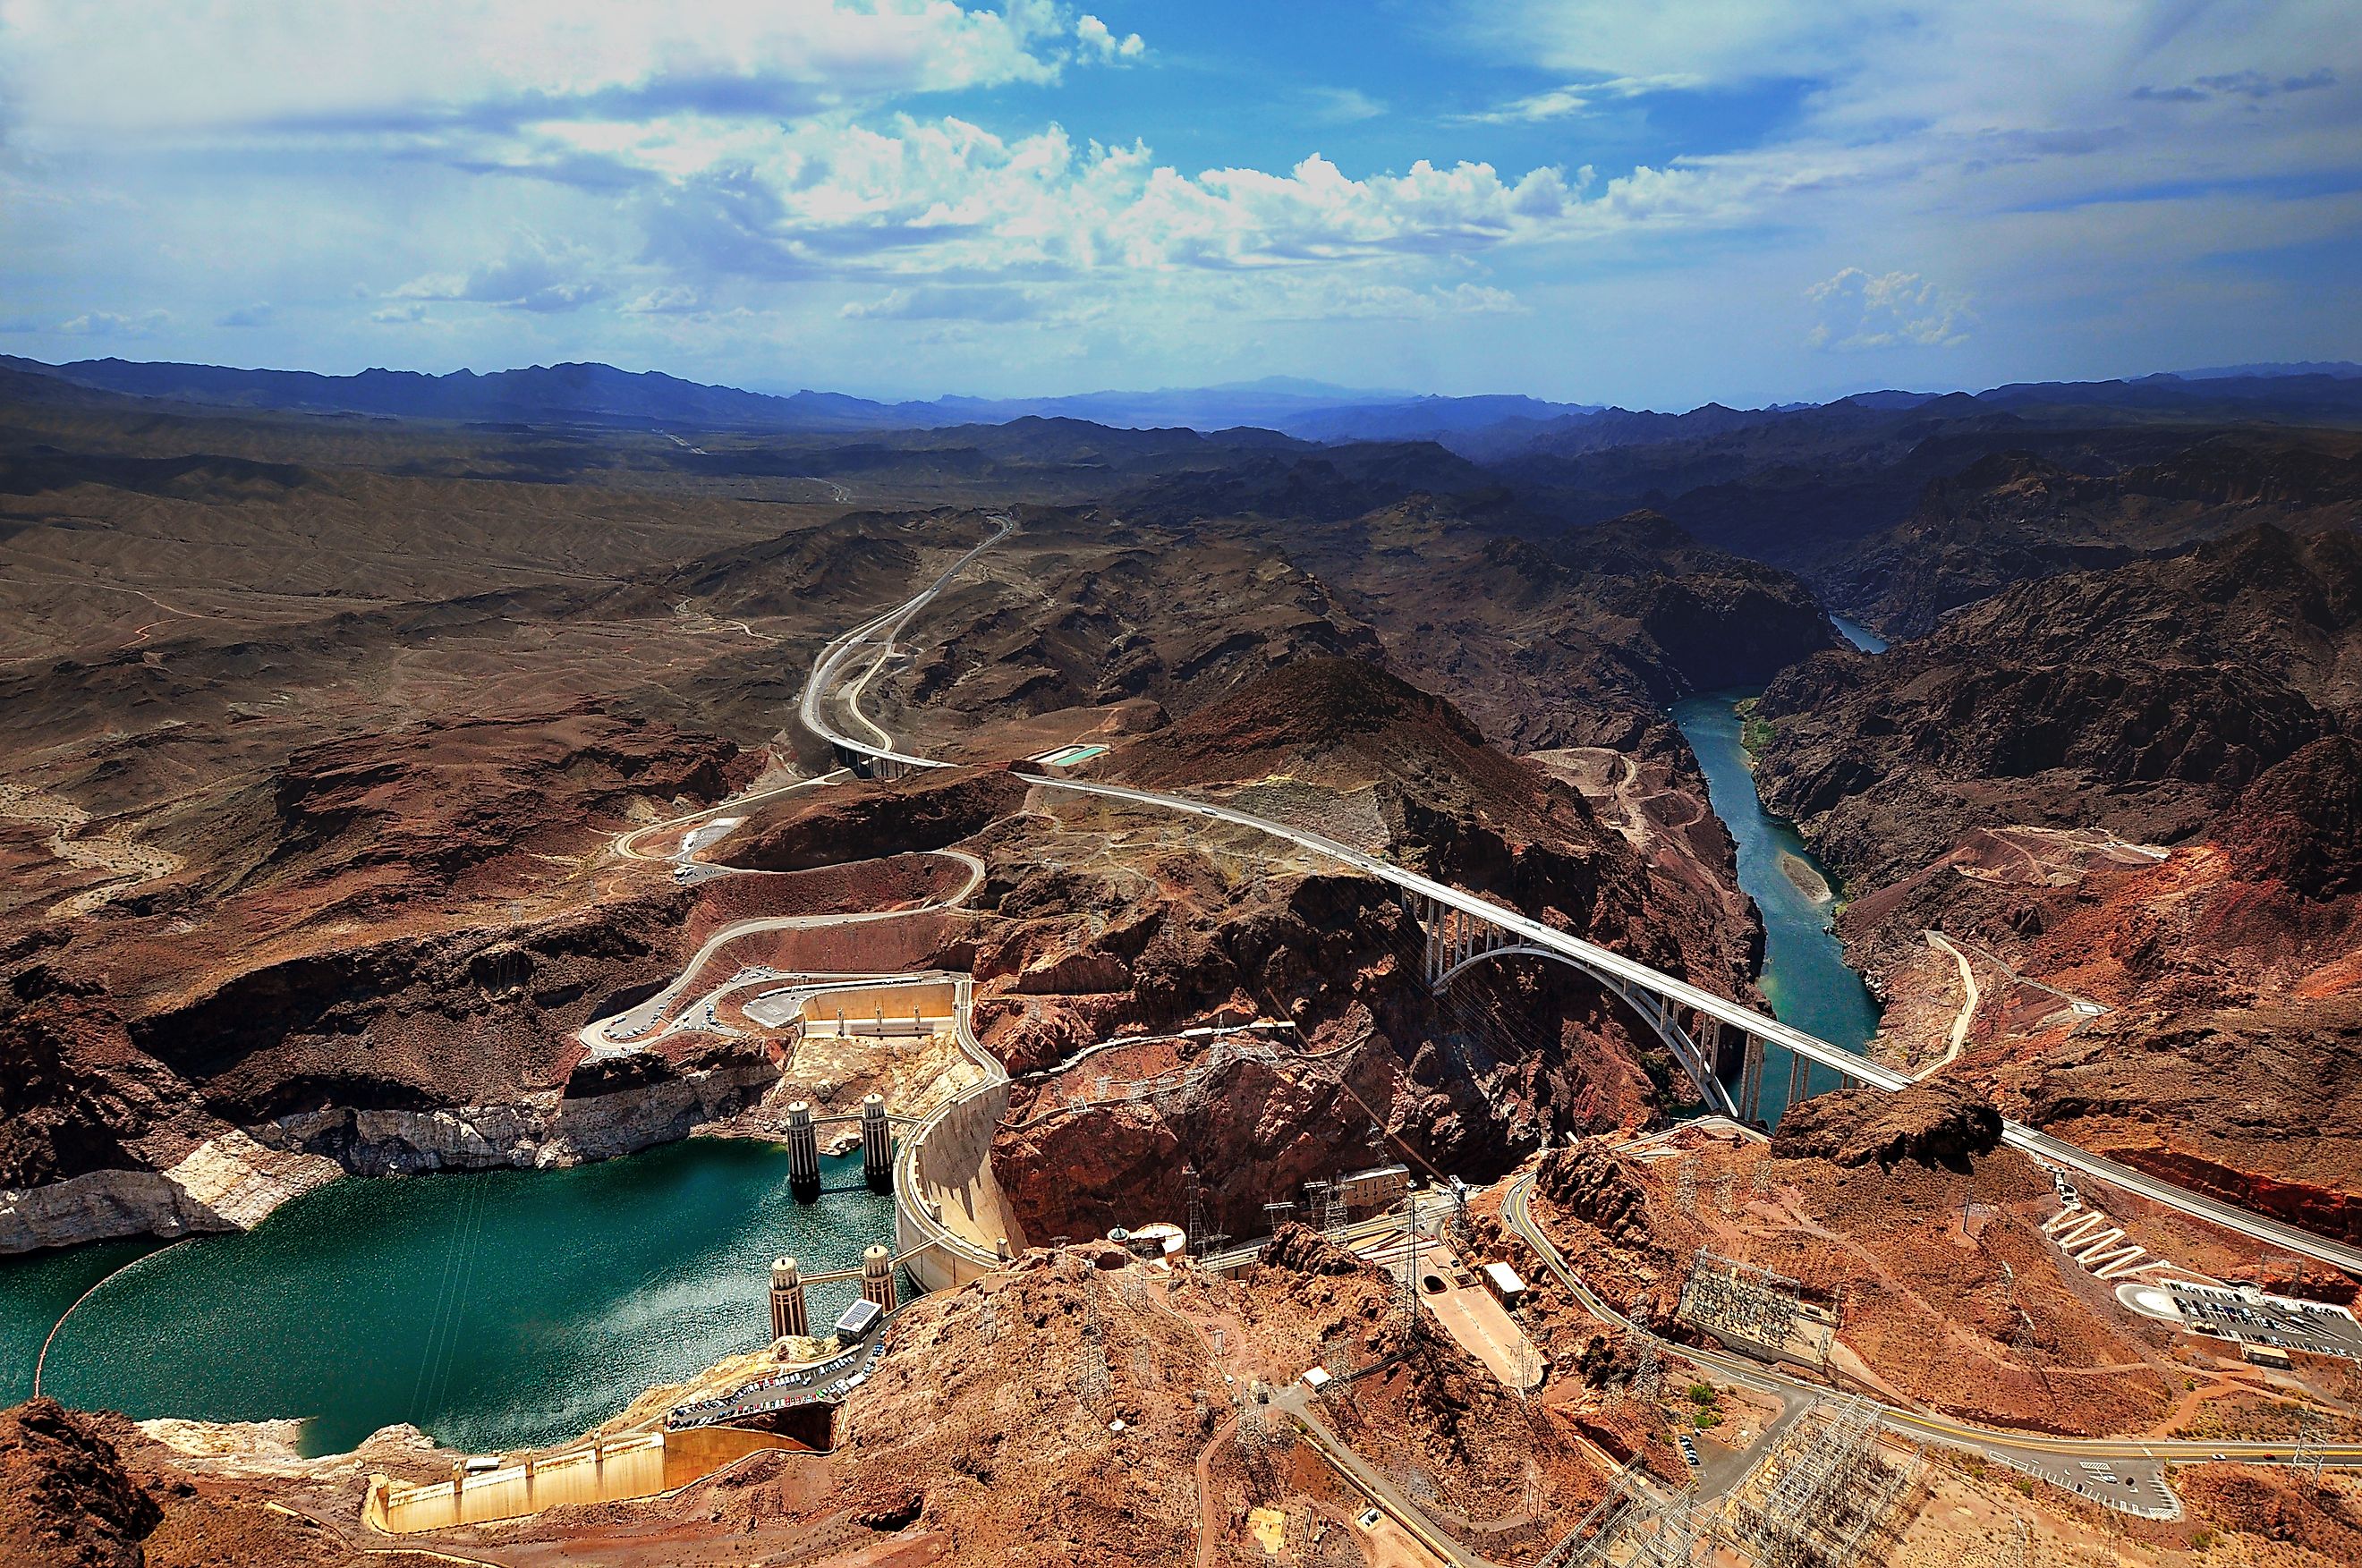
(1464,928)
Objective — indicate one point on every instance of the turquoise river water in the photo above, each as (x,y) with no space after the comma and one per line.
(495,1310)
(1804,975)
(511,1308)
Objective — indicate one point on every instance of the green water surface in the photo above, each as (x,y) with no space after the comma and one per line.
(1804,975)
(495,1310)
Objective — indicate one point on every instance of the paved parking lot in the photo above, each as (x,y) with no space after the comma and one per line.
(2253,1317)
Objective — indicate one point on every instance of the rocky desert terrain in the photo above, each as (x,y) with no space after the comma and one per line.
(2125,800)
(367,768)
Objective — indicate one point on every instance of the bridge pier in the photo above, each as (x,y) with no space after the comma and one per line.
(1750,1082)
(877,1144)
(1457,938)
(804,1153)
(1799,1079)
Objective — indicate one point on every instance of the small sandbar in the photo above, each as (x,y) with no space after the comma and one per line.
(1809,882)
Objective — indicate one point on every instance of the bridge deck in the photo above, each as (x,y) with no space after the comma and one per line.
(1602,962)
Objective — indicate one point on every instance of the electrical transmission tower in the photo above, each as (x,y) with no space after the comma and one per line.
(1826,1496)
(1090,1359)
(1685,1185)
(1194,1230)
(1530,1368)
(2305,1458)
(1331,1208)
(1634,1526)
(1254,1428)
(2023,1343)
(1648,1374)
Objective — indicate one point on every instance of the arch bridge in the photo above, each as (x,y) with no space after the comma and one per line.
(1701,1029)
(1709,1048)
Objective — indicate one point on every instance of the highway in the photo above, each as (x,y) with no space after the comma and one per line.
(2064,1460)
(891,622)
(2125,1473)
(1296,1400)
(1590,956)
(620,1032)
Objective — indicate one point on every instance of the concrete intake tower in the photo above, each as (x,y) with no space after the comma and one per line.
(788,1315)
(803,1152)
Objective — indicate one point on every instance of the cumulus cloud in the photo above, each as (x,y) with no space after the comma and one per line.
(257,314)
(435,66)
(948,197)
(531,276)
(1862,310)
(112,324)
(940,302)
(673,299)
(1099,42)
(730,175)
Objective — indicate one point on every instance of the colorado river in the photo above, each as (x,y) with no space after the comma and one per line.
(1861,636)
(495,1310)
(1805,974)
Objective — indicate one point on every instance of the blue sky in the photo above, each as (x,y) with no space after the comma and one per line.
(1738,200)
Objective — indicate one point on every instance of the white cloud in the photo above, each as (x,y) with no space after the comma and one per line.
(938,302)
(1099,43)
(1344,105)
(672,299)
(284,66)
(1862,310)
(112,324)
(947,197)
(1350,297)
(756,183)
(1580,98)
(532,276)
(256,314)
(1718,39)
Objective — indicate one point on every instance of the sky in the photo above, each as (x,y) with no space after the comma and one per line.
(1596,200)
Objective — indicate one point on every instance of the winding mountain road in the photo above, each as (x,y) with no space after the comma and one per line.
(2127,1474)
(1601,962)
(635,1025)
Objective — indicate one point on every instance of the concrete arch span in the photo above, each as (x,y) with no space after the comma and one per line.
(1644,1005)
(1509,927)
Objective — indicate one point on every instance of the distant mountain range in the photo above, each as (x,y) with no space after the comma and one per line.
(1484,428)
(2343,369)
(602,394)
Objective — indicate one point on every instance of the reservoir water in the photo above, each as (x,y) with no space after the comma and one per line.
(1804,975)
(1861,636)
(495,1310)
